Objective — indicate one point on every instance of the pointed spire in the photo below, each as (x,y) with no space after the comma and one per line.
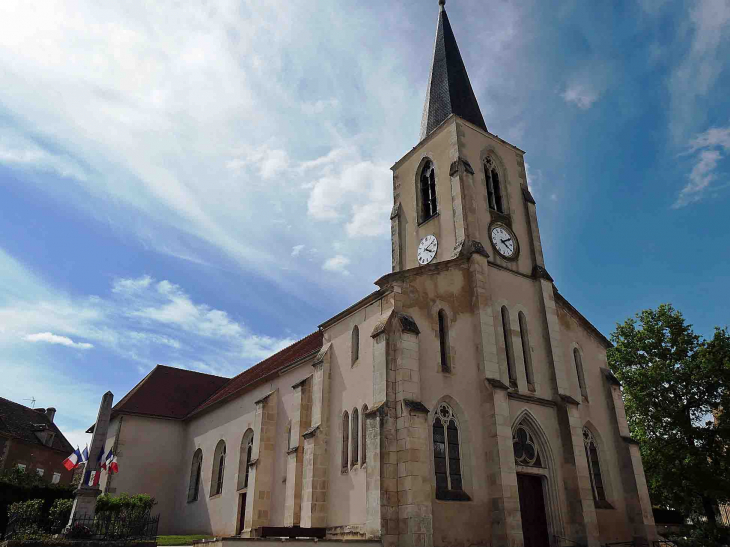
(449,90)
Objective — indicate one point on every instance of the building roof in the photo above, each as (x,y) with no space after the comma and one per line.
(169,392)
(20,422)
(449,89)
(305,347)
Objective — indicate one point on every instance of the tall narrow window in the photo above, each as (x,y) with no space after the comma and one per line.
(444,341)
(429,206)
(345,441)
(508,349)
(579,371)
(447,454)
(526,352)
(599,492)
(364,434)
(355,437)
(195,469)
(494,188)
(355,346)
(249,452)
(244,458)
(219,468)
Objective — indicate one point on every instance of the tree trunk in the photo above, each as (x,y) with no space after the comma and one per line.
(708,504)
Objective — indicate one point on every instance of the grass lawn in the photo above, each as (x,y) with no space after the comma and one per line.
(180,540)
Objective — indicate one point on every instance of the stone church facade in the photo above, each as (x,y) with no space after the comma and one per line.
(464,402)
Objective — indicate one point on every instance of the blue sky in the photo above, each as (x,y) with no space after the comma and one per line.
(201,184)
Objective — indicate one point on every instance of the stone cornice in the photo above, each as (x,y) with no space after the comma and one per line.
(262,399)
(497,383)
(311,432)
(415,406)
(531,399)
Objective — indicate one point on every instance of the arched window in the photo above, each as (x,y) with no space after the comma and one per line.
(525,448)
(579,370)
(526,352)
(444,341)
(244,458)
(494,188)
(429,206)
(195,471)
(508,349)
(355,346)
(345,441)
(594,467)
(364,434)
(355,437)
(446,453)
(219,467)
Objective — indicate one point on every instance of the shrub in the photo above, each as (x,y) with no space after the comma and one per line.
(60,513)
(124,505)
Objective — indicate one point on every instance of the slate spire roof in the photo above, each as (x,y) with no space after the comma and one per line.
(449,90)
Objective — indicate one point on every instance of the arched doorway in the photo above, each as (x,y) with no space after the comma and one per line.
(535,483)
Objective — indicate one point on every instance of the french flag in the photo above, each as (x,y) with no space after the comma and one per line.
(73,460)
(99,462)
(112,465)
(85,455)
(108,459)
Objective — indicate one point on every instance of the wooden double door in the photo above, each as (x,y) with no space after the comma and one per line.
(532,508)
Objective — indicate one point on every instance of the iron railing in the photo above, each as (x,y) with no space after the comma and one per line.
(101,527)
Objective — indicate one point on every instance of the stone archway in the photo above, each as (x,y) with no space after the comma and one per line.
(537,482)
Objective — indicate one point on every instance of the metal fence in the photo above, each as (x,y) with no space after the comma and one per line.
(101,527)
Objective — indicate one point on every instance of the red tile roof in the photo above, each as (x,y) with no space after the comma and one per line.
(237,386)
(169,392)
(22,423)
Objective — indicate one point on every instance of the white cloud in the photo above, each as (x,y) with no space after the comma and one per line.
(297,249)
(131,286)
(695,76)
(534,180)
(710,148)
(19,151)
(222,115)
(50,338)
(581,95)
(269,162)
(356,192)
(337,264)
(141,319)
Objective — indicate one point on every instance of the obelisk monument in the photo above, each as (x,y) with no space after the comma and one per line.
(85,501)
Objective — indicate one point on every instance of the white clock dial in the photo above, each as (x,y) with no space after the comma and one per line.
(427,249)
(504,242)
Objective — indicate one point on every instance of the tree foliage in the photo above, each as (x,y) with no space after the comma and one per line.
(675,384)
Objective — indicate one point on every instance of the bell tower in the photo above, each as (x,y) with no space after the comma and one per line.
(461,189)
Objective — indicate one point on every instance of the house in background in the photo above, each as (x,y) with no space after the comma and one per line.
(31,441)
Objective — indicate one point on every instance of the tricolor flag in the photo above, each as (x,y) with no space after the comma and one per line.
(73,460)
(112,464)
(97,475)
(85,455)
(108,459)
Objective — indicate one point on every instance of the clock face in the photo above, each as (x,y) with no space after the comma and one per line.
(504,241)
(427,249)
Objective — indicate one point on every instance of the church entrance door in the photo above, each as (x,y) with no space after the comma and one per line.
(532,507)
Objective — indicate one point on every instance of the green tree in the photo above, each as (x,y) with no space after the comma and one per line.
(673,381)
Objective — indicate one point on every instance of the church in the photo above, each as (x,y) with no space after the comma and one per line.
(464,402)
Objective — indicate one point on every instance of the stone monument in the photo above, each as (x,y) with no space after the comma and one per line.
(85,500)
